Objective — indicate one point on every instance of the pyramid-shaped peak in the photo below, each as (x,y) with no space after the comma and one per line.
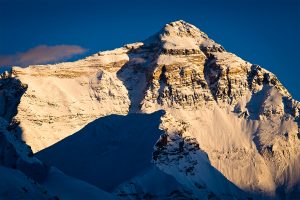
(182,28)
(178,33)
(181,24)
(183,36)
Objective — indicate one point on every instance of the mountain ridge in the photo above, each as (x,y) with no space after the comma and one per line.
(237,113)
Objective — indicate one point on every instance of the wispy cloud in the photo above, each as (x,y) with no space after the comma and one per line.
(42,54)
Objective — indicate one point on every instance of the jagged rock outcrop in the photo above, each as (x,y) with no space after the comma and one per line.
(222,112)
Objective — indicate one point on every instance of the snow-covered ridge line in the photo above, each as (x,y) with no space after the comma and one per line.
(224,115)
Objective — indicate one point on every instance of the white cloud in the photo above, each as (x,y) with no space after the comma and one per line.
(42,54)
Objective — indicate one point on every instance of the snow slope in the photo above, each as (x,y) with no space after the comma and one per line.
(14,185)
(228,126)
(108,151)
(115,153)
(66,187)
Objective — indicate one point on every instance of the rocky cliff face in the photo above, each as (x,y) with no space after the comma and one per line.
(221,111)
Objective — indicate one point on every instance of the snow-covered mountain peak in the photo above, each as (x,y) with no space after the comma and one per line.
(182,29)
(224,116)
(180,35)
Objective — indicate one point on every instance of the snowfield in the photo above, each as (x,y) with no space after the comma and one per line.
(173,117)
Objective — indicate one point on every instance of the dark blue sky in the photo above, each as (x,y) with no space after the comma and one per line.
(263,32)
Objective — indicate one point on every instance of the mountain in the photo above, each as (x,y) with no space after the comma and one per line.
(173,117)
